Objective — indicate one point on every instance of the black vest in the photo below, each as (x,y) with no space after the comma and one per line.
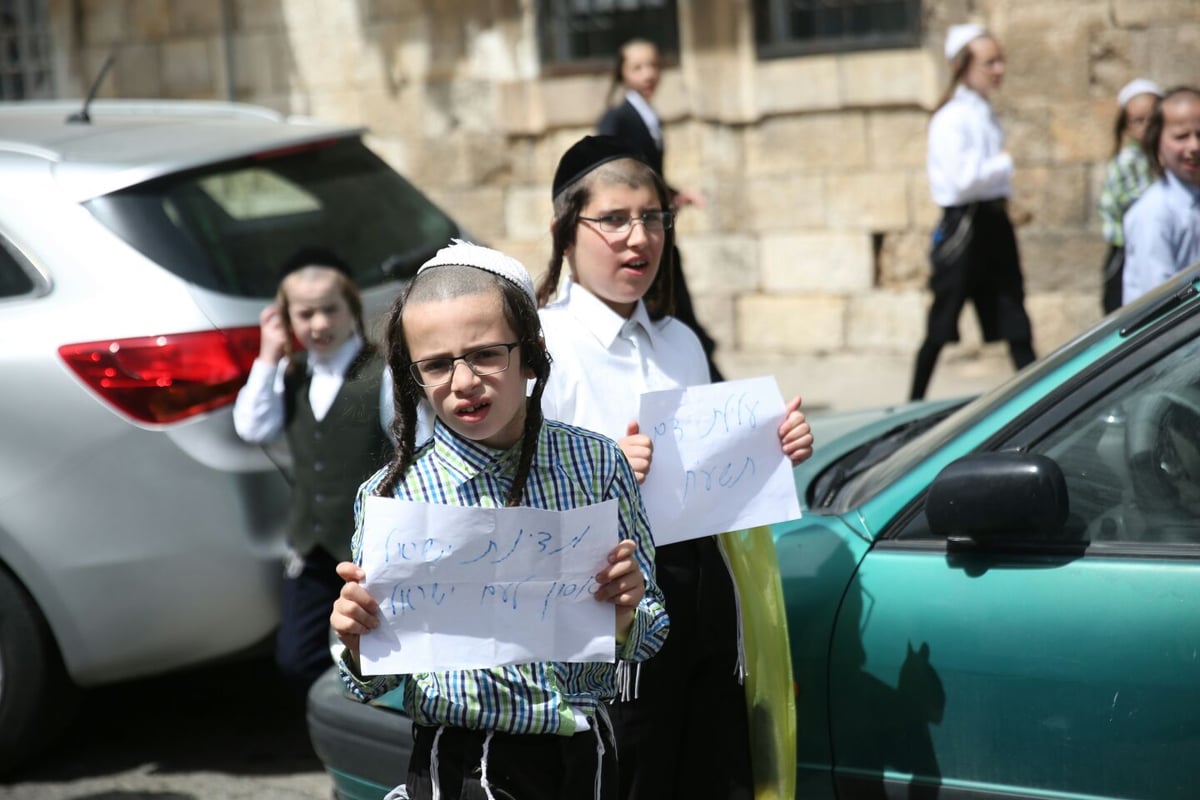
(333,456)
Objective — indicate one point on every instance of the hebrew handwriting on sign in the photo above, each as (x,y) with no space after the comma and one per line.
(717,464)
(472,588)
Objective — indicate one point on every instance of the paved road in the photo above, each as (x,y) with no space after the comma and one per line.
(221,732)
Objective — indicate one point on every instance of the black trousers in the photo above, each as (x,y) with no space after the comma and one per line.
(974,259)
(302,641)
(687,734)
(1113,278)
(476,765)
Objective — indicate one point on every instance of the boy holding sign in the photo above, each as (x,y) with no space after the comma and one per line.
(612,339)
(531,730)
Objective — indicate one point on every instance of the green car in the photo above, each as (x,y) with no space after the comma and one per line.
(994,599)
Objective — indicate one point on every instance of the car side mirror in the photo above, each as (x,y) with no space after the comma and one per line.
(998,494)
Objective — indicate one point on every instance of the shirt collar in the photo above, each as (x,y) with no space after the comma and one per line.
(968,95)
(643,108)
(600,320)
(468,459)
(340,361)
(1178,187)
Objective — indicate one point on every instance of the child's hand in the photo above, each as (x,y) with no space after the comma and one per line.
(355,612)
(622,584)
(637,449)
(794,434)
(270,323)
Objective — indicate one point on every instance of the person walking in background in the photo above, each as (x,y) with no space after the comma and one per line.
(1162,229)
(465,339)
(634,121)
(332,403)
(974,254)
(608,327)
(1125,178)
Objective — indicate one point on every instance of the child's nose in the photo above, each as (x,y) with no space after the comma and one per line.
(462,379)
(637,232)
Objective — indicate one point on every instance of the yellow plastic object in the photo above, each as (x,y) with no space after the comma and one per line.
(770,696)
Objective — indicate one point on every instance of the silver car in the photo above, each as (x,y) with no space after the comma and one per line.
(138,243)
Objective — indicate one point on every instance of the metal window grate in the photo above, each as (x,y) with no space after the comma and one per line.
(573,31)
(26,50)
(793,27)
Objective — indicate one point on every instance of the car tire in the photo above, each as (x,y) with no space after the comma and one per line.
(37,698)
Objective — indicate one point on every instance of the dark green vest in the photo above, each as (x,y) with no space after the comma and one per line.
(333,456)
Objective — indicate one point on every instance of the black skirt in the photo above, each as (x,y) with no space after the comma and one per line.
(974,257)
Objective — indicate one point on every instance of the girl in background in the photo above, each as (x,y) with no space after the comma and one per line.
(974,254)
(1126,177)
(634,121)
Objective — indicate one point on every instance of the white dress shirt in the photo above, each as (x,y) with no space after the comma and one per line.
(604,362)
(1162,235)
(653,123)
(259,411)
(966,158)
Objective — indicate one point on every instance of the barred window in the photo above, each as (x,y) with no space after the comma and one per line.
(796,27)
(25,51)
(591,31)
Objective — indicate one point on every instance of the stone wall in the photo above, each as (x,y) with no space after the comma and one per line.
(809,258)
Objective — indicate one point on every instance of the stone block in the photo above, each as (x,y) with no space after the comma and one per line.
(534,254)
(791,85)
(822,262)
(102,22)
(897,138)
(519,108)
(259,62)
(806,143)
(1026,128)
(717,313)
(789,324)
(889,78)
(189,68)
(886,321)
(903,260)
(573,100)
(1144,13)
(258,15)
(193,19)
(1057,196)
(720,263)
(1167,52)
(149,19)
(925,213)
(1082,130)
(783,202)
(527,213)
(1061,259)
(876,200)
(1048,57)
(479,210)
(1058,317)
(138,71)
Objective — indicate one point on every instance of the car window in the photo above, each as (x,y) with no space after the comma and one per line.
(14,280)
(229,226)
(1131,459)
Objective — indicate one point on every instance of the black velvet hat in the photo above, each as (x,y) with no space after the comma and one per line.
(313,257)
(587,154)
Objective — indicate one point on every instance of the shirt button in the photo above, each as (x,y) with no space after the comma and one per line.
(320,498)
(319,466)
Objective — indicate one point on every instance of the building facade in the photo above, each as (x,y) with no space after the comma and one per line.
(802,122)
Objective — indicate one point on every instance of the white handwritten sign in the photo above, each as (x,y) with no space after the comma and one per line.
(472,588)
(717,464)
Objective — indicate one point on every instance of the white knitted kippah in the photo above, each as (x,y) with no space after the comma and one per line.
(959,36)
(1134,88)
(467,254)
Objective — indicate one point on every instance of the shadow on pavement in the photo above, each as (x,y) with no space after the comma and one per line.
(234,718)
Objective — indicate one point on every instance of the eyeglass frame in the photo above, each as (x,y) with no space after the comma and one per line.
(414,368)
(668,221)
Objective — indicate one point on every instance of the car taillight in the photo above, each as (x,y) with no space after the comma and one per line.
(166,378)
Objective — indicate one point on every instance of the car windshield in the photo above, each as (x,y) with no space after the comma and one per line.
(229,226)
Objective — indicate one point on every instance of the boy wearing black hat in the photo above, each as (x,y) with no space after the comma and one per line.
(331,402)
